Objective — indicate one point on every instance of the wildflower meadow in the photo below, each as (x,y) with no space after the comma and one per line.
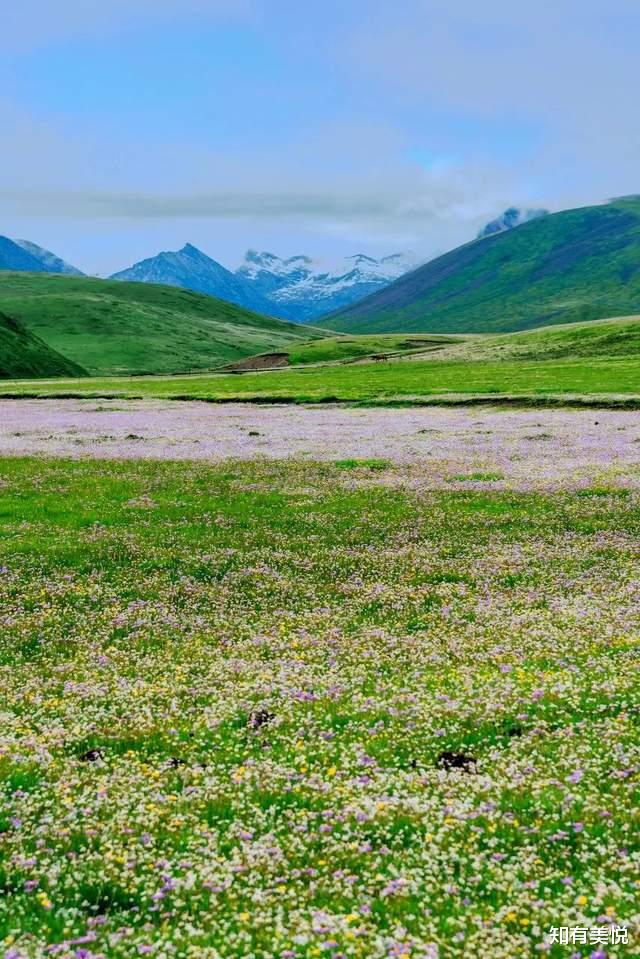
(289,709)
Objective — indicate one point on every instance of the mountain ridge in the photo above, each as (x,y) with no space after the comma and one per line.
(570,266)
(509,220)
(191,269)
(296,288)
(50,261)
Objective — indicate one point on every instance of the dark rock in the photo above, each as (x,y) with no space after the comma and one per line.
(260,718)
(452,760)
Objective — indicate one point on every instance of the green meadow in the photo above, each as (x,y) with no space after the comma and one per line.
(283,709)
(596,359)
(367,383)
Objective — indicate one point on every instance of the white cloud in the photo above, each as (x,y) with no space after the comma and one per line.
(568,68)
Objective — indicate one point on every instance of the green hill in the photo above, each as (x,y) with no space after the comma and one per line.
(616,337)
(24,355)
(106,326)
(576,265)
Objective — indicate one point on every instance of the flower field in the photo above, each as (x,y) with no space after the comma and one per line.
(296,709)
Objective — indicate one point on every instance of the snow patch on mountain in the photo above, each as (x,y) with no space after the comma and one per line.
(296,288)
(304,288)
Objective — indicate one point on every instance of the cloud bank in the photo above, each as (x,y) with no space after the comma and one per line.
(446,113)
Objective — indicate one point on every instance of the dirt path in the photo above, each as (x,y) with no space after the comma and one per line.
(453,446)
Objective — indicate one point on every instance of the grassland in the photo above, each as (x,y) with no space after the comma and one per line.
(571,266)
(340,349)
(370,383)
(282,710)
(105,326)
(597,339)
(600,358)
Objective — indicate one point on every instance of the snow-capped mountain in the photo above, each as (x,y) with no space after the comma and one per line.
(192,269)
(509,219)
(49,261)
(297,288)
(304,289)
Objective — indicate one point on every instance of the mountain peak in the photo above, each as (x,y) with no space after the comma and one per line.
(294,288)
(511,218)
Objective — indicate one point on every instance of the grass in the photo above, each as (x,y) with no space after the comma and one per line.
(408,381)
(23,354)
(597,339)
(567,267)
(106,326)
(227,694)
(340,349)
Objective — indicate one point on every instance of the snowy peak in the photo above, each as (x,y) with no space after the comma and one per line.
(192,269)
(256,263)
(293,288)
(303,288)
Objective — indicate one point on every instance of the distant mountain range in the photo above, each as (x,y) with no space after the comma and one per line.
(527,268)
(191,269)
(297,288)
(581,264)
(24,256)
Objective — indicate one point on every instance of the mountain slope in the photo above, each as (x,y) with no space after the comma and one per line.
(576,265)
(110,327)
(192,269)
(24,355)
(48,260)
(14,257)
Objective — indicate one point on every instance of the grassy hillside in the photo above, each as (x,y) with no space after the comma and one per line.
(599,339)
(22,354)
(107,326)
(576,265)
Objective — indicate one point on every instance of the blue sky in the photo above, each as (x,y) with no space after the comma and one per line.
(325,128)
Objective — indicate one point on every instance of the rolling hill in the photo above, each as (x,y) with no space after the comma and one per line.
(24,355)
(566,267)
(105,326)
(596,339)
